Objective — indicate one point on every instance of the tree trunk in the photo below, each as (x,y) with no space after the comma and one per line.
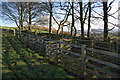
(30,17)
(81,19)
(88,32)
(105,19)
(21,25)
(62,30)
(50,20)
(58,31)
(72,18)
(75,31)
(21,16)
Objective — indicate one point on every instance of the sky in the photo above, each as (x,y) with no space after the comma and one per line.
(98,24)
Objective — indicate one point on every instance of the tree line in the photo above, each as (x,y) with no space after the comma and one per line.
(35,13)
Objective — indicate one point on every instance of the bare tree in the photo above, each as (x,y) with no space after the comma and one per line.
(50,20)
(106,9)
(35,13)
(89,6)
(72,18)
(66,9)
(14,11)
(105,19)
(81,18)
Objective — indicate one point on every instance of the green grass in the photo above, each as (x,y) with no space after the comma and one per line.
(39,31)
(21,62)
(11,28)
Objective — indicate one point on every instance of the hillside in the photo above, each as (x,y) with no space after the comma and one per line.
(46,29)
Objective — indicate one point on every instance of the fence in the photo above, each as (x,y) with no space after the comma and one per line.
(110,45)
(84,61)
(78,59)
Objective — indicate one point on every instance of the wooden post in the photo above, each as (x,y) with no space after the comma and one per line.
(8,32)
(92,43)
(47,50)
(17,34)
(57,51)
(45,55)
(28,36)
(35,32)
(83,54)
(14,32)
(118,48)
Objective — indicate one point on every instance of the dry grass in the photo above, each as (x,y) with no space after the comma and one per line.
(47,28)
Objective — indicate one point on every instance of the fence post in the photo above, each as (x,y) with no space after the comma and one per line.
(118,48)
(8,32)
(28,36)
(19,34)
(46,49)
(14,32)
(57,51)
(83,54)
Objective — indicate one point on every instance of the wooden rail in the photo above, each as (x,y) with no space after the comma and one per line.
(82,54)
(79,59)
(106,73)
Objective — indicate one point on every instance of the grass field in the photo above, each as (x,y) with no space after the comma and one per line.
(21,62)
